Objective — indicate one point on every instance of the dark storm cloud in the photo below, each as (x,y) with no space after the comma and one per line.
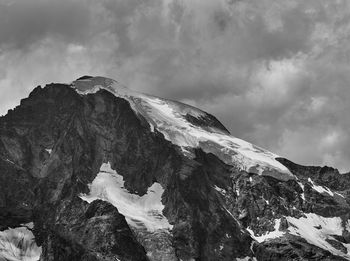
(275,72)
(25,22)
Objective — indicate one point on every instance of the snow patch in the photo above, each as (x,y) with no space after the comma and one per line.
(247,258)
(320,189)
(49,150)
(270,234)
(220,190)
(302,187)
(234,219)
(18,244)
(237,191)
(140,211)
(339,194)
(90,91)
(10,161)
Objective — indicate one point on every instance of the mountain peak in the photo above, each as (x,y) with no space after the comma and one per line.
(91,84)
(189,128)
(85,77)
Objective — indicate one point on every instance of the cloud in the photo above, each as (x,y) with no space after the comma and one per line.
(23,23)
(275,72)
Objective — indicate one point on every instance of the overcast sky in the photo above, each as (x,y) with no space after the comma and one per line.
(276,73)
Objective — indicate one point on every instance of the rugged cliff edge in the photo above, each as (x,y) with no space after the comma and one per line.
(94,171)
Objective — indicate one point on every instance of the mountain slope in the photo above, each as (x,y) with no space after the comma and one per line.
(105,173)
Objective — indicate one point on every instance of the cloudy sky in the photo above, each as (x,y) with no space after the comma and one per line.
(276,73)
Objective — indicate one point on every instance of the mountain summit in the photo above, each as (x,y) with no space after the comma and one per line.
(95,171)
(189,127)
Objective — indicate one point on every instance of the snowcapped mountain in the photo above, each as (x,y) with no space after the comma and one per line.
(189,127)
(102,172)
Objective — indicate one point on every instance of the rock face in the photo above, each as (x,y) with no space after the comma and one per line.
(104,173)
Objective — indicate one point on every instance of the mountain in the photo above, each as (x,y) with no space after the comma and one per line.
(92,170)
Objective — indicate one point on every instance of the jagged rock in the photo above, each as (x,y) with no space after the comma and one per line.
(88,232)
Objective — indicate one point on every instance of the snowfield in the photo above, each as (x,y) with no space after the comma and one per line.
(169,118)
(140,211)
(314,229)
(18,244)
